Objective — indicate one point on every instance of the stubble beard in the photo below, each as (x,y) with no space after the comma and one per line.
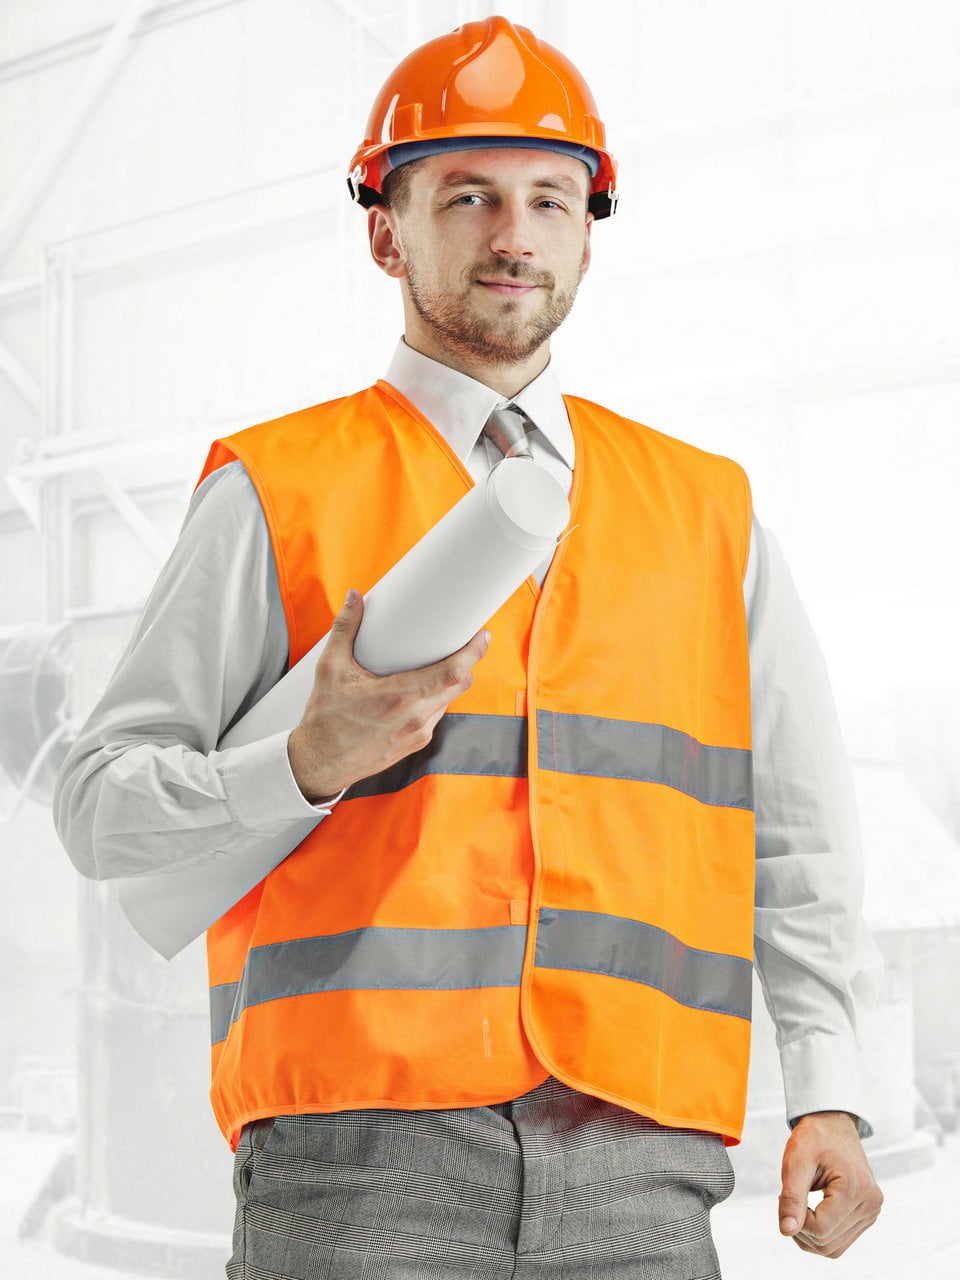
(504,340)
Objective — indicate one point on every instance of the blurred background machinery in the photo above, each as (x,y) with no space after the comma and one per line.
(178,258)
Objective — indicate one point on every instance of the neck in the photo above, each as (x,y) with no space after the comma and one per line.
(507,380)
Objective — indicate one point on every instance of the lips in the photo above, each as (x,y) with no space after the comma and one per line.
(508,288)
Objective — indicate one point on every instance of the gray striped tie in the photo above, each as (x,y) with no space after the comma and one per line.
(507,429)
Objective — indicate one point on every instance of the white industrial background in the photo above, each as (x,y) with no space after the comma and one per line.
(179,258)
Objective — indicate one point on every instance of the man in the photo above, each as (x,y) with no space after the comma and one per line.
(491,1018)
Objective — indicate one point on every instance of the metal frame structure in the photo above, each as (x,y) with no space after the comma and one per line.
(65,464)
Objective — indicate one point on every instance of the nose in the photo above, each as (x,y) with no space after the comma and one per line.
(513,235)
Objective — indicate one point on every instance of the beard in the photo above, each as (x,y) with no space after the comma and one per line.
(507,339)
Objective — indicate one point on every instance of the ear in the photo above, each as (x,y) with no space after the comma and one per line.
(385,247)
(587,248)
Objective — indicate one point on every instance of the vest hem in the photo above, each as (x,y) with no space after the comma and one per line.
(231,1130)
(730,1133)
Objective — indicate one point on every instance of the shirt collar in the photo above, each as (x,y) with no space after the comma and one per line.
(458,406)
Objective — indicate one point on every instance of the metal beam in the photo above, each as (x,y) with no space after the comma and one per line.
(82,452)
(131,515)
(303,208)
(20,377)
(46,163)
(86,42)
(27,496)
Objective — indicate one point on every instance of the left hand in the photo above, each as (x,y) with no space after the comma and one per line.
(824,1153)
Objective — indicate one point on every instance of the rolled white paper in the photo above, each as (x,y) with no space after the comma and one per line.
(426,607)
(462,570)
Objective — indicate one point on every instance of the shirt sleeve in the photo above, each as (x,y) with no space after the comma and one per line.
(816,961)
(143,788)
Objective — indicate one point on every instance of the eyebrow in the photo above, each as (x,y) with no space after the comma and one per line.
(553,182)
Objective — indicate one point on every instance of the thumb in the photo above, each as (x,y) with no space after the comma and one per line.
(344,628)
(793,1207)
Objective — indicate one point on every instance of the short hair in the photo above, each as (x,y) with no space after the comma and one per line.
(396,186)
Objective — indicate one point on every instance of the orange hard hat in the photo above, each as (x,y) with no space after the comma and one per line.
(488,83)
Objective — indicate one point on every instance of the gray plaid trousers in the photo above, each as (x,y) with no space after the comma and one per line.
(555,1185)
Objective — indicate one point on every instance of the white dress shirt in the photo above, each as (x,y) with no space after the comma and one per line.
(144,788)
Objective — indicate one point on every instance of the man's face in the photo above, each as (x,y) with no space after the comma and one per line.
(492,246)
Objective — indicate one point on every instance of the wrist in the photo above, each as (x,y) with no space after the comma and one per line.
(318,786)
(842,1118)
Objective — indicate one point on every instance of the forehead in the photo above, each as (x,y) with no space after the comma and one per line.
(503,166)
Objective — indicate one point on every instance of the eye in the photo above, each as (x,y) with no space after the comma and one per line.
(471,199)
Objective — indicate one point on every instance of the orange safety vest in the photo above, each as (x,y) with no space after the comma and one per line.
(562,882)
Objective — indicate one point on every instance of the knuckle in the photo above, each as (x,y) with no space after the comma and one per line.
(451,675)
(419,737)
(392,704)
(341,623)
(414,727)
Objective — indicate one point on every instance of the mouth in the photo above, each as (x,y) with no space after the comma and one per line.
(508,288)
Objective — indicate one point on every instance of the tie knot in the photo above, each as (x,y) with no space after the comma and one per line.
(507,429)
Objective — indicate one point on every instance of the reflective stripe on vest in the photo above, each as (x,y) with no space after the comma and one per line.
(597,943)
(384,959)
(372,959)
(481,746)
(602,748)
(496,746)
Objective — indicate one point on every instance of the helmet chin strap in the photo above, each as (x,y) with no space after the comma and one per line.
(359,191)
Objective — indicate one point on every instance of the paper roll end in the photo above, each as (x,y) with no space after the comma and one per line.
(527,503)
(135,905)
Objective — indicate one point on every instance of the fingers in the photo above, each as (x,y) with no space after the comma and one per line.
(834,1246)
(344,628)
(454,673)
(474,649)
(824,1154)
(823,1233)
(356,723)
(451,673)
(798,1180)
(431,689)
(851,1203)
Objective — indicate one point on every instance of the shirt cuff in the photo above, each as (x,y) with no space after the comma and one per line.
(261,788)
(824,1072)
